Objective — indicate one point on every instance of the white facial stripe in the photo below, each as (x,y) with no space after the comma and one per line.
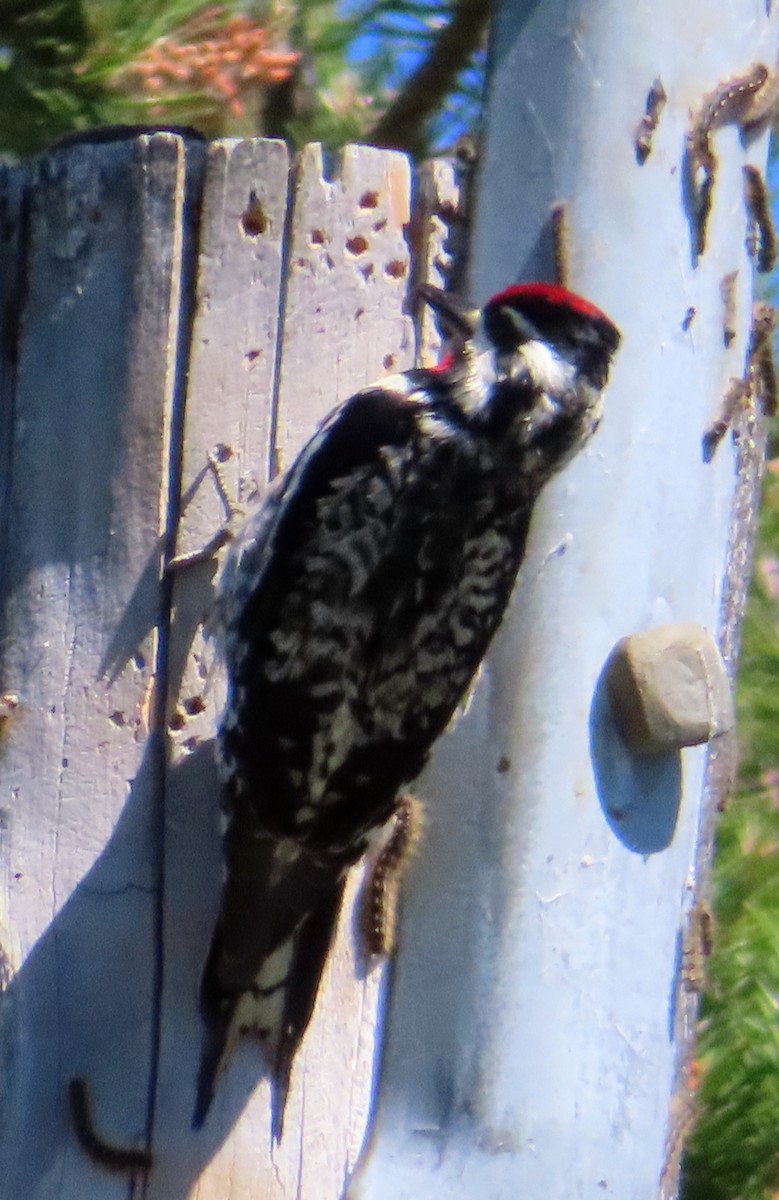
(551,373)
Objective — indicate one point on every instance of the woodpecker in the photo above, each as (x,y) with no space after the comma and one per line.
(355,607)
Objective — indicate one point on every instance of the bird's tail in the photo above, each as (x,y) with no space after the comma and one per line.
(278,916)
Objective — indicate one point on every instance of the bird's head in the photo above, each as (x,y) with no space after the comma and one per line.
(531,365)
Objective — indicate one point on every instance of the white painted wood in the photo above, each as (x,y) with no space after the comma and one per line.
(529,1047)
(79,775)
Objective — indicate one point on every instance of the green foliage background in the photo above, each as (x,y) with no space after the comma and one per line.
(63,68)
(734,1151)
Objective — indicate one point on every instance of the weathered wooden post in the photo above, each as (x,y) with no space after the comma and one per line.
(137,272)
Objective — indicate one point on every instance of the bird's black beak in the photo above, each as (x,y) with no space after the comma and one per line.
(455,314)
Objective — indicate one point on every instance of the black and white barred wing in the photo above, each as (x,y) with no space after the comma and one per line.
(359,616)
(281,895)
(359,604)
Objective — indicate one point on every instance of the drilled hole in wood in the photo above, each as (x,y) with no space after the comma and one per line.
(357,245)
(253,219)
(221,451)
(117,718)
(504,765)
(395,269)
(251,356)
(388,362)
(369,200)
(177,721)
(139,662)
(317,237)
(359,312)
(379,225)
(193,705)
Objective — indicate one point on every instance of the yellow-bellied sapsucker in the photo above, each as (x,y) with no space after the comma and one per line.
(356,607)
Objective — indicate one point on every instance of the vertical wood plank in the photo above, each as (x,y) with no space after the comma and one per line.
(230,397)
(12,188)
(229,402)
(81,530)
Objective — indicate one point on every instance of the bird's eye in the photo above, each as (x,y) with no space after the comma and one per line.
(510,366)
(503,365)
